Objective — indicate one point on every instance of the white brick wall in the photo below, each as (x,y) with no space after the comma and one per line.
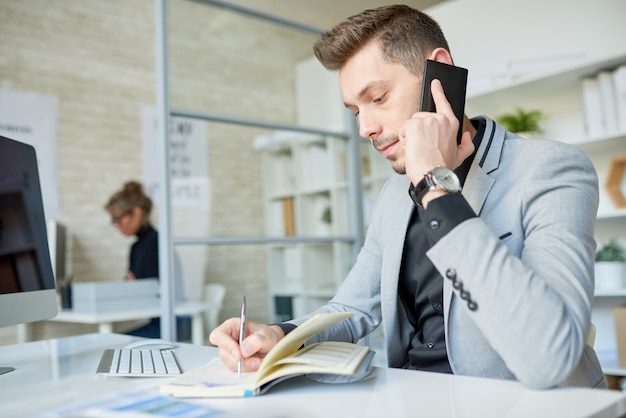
(97,57)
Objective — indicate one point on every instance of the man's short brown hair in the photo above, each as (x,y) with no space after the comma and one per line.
(406,36)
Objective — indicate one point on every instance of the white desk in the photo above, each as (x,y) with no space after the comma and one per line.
(54,373)
(105,320)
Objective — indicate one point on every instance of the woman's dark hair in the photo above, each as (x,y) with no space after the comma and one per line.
(129,197)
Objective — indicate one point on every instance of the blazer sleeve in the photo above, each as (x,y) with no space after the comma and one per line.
(533,292)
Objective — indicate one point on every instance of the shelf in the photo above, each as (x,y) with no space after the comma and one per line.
(559,94)
(600,293)
(608,361)
(617,214)
(313,176)
(605,143)
(549,83)
(315,190)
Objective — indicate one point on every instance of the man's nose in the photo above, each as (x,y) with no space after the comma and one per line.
(368,126)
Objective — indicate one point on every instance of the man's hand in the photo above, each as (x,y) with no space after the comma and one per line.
(258,342)
(429,138)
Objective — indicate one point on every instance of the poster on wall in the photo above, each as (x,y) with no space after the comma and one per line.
(188,160)
(32,118)
(189,188)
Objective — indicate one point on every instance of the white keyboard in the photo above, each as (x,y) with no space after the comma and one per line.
(138,362)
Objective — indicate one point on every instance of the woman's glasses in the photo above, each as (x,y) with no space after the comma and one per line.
(116,220)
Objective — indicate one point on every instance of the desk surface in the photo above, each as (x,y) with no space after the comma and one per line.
(105,320)
(70,315)
(54,373)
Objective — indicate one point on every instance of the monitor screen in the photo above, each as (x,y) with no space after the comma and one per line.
(27,287)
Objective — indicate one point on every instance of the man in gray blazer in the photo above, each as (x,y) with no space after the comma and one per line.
(479,256)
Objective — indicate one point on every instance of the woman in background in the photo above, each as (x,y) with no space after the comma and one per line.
(130,209)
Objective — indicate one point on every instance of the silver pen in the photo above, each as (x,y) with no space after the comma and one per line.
(242,332)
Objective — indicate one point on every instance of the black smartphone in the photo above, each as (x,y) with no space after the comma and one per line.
(454,82)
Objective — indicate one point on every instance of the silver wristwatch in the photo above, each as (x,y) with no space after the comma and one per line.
(438,178)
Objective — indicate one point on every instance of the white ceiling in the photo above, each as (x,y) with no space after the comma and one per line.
(323,13)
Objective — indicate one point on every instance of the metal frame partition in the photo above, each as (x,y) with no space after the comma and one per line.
(166,240)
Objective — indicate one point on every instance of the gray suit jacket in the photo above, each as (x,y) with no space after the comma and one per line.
(527,261)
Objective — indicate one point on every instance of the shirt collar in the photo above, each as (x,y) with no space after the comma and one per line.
(463,169)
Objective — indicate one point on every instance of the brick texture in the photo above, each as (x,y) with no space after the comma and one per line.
(97,57)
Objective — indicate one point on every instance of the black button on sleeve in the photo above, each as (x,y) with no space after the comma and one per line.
(444,214)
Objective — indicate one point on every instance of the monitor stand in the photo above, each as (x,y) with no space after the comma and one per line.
(4,370)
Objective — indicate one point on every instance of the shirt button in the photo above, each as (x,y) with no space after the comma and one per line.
(451,274)
(434,224)
(438,307)
(430,344)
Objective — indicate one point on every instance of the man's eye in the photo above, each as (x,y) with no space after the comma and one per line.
(379,99)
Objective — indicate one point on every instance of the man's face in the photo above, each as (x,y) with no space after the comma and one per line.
(382,96)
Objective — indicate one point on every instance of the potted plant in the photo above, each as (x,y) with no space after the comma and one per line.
(525,123)
(326,221)
(610,266)
(327,216)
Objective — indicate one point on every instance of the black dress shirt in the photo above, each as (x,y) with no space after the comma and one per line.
(420,286)
(144,253)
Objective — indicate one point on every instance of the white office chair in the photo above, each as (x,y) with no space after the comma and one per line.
(213,297)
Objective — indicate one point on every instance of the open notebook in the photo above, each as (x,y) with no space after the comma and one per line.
(328,361)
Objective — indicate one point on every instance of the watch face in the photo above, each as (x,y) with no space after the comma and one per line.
(446,179)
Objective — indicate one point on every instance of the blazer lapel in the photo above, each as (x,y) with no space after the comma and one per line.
(479,179)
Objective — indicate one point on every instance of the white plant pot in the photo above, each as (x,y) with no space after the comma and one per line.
(610,275)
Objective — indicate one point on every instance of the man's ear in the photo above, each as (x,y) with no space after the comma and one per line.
(441,55)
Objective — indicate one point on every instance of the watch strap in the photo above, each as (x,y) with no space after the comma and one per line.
(429,183)
(418,191)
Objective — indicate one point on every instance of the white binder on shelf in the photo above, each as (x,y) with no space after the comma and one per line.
(619,82)
(609,101)
(592,103)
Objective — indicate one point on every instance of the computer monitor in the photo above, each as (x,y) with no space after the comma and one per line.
(27,287)
(57,243)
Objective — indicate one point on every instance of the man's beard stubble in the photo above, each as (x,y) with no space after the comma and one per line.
(380,143)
